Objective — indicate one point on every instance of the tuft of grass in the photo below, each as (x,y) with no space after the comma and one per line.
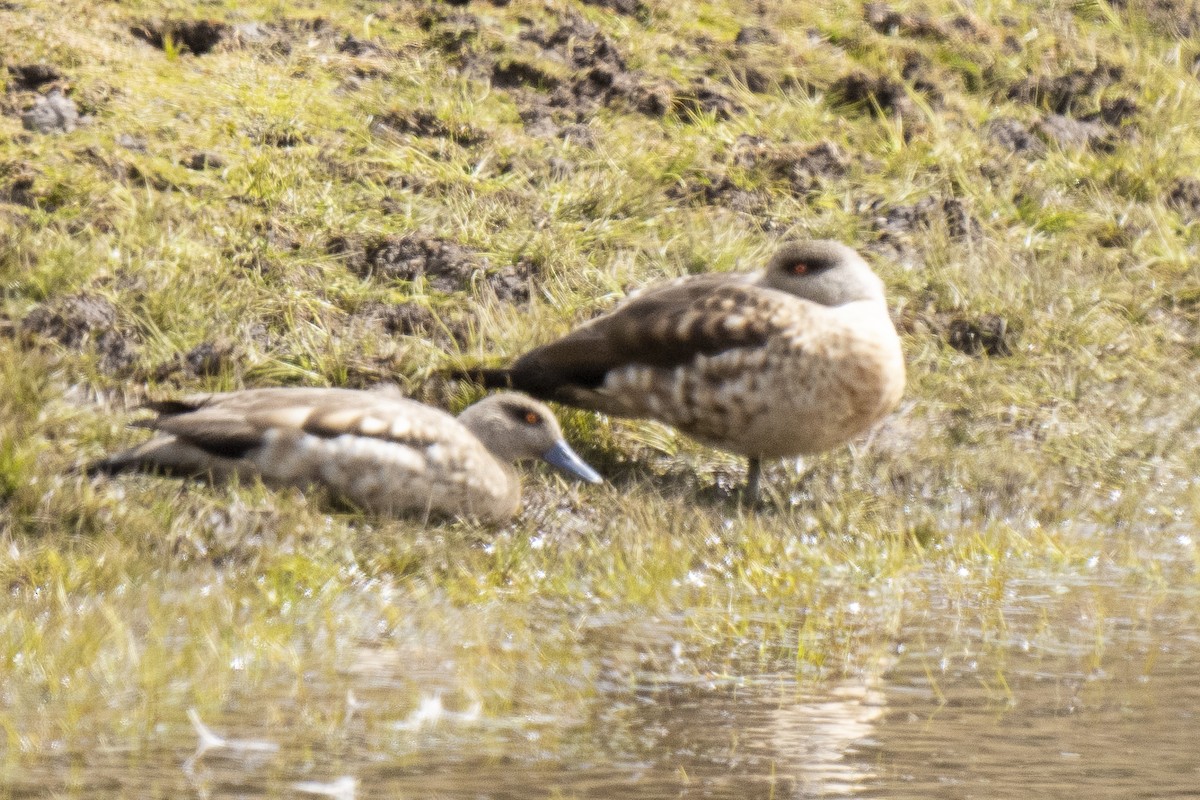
(130,600)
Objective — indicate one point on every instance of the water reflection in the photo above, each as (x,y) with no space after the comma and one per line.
(819,739)
(1081,702)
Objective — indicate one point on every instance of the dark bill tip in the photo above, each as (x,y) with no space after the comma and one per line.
(562,457)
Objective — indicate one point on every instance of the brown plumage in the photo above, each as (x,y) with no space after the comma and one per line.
(383,452)
(794,359)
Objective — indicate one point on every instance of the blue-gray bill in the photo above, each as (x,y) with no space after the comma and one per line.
(562,457)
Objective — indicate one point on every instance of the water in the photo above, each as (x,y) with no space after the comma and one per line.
(1051,693)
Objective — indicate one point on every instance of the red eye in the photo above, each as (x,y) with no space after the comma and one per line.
(799,268)
(532,418)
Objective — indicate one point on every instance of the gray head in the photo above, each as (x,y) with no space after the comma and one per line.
(514,428)
(823,271)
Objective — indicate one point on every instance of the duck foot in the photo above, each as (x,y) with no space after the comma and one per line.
(753,473)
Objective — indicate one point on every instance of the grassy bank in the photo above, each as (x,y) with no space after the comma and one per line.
(346,193)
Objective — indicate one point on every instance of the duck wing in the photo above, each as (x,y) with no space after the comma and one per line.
(231,425)
(667,327)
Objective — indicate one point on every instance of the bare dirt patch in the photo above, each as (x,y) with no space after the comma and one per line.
(81,320)
(31,77)
(1069,92)
(198,36)
(601,76)
(879,94)
(804,168)
(444,265)
(924,214)
(1184,197)
(988,333)
(202,160)
(755,34)
(1012,135)
(717,189)
(426,124)
(53,113)
(1074,134)
(632,8)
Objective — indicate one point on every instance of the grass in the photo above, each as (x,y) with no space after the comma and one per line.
(130,600)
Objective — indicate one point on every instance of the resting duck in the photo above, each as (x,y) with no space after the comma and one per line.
(384,453)
(790,360)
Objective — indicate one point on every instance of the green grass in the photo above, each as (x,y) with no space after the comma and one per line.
(129,600)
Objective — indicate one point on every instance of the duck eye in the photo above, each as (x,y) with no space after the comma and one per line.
(532,417)
(799,268)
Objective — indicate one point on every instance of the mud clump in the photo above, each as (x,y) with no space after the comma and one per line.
(208,358)
(1184,197)
(198,36)
(989,334)
(31,77)
(702,97)
(514,73)
(203,160)
(630,8)
(718,189)
(80,319)
(444,265)
(1062,94)
(351,45)
(426,124)
(886,20)
(927,213)
(511,282)
(1115,111)
(414,319)
(204,360)
(881,94)
(803,168)
(601,77)
(17,187)
(1013,136)
(754,34)
(451,33)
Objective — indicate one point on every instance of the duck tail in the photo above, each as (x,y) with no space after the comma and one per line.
(498,378)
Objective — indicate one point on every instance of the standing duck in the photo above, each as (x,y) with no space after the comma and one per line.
(382,452)
(794,359)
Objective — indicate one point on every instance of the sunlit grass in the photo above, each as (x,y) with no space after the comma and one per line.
(128,601)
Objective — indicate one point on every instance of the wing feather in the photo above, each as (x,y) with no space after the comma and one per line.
(669,327)
(230,425)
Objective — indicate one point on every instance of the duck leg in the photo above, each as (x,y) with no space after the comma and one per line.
(753,471)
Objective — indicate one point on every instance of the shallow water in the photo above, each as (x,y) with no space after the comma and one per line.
(1053,695)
